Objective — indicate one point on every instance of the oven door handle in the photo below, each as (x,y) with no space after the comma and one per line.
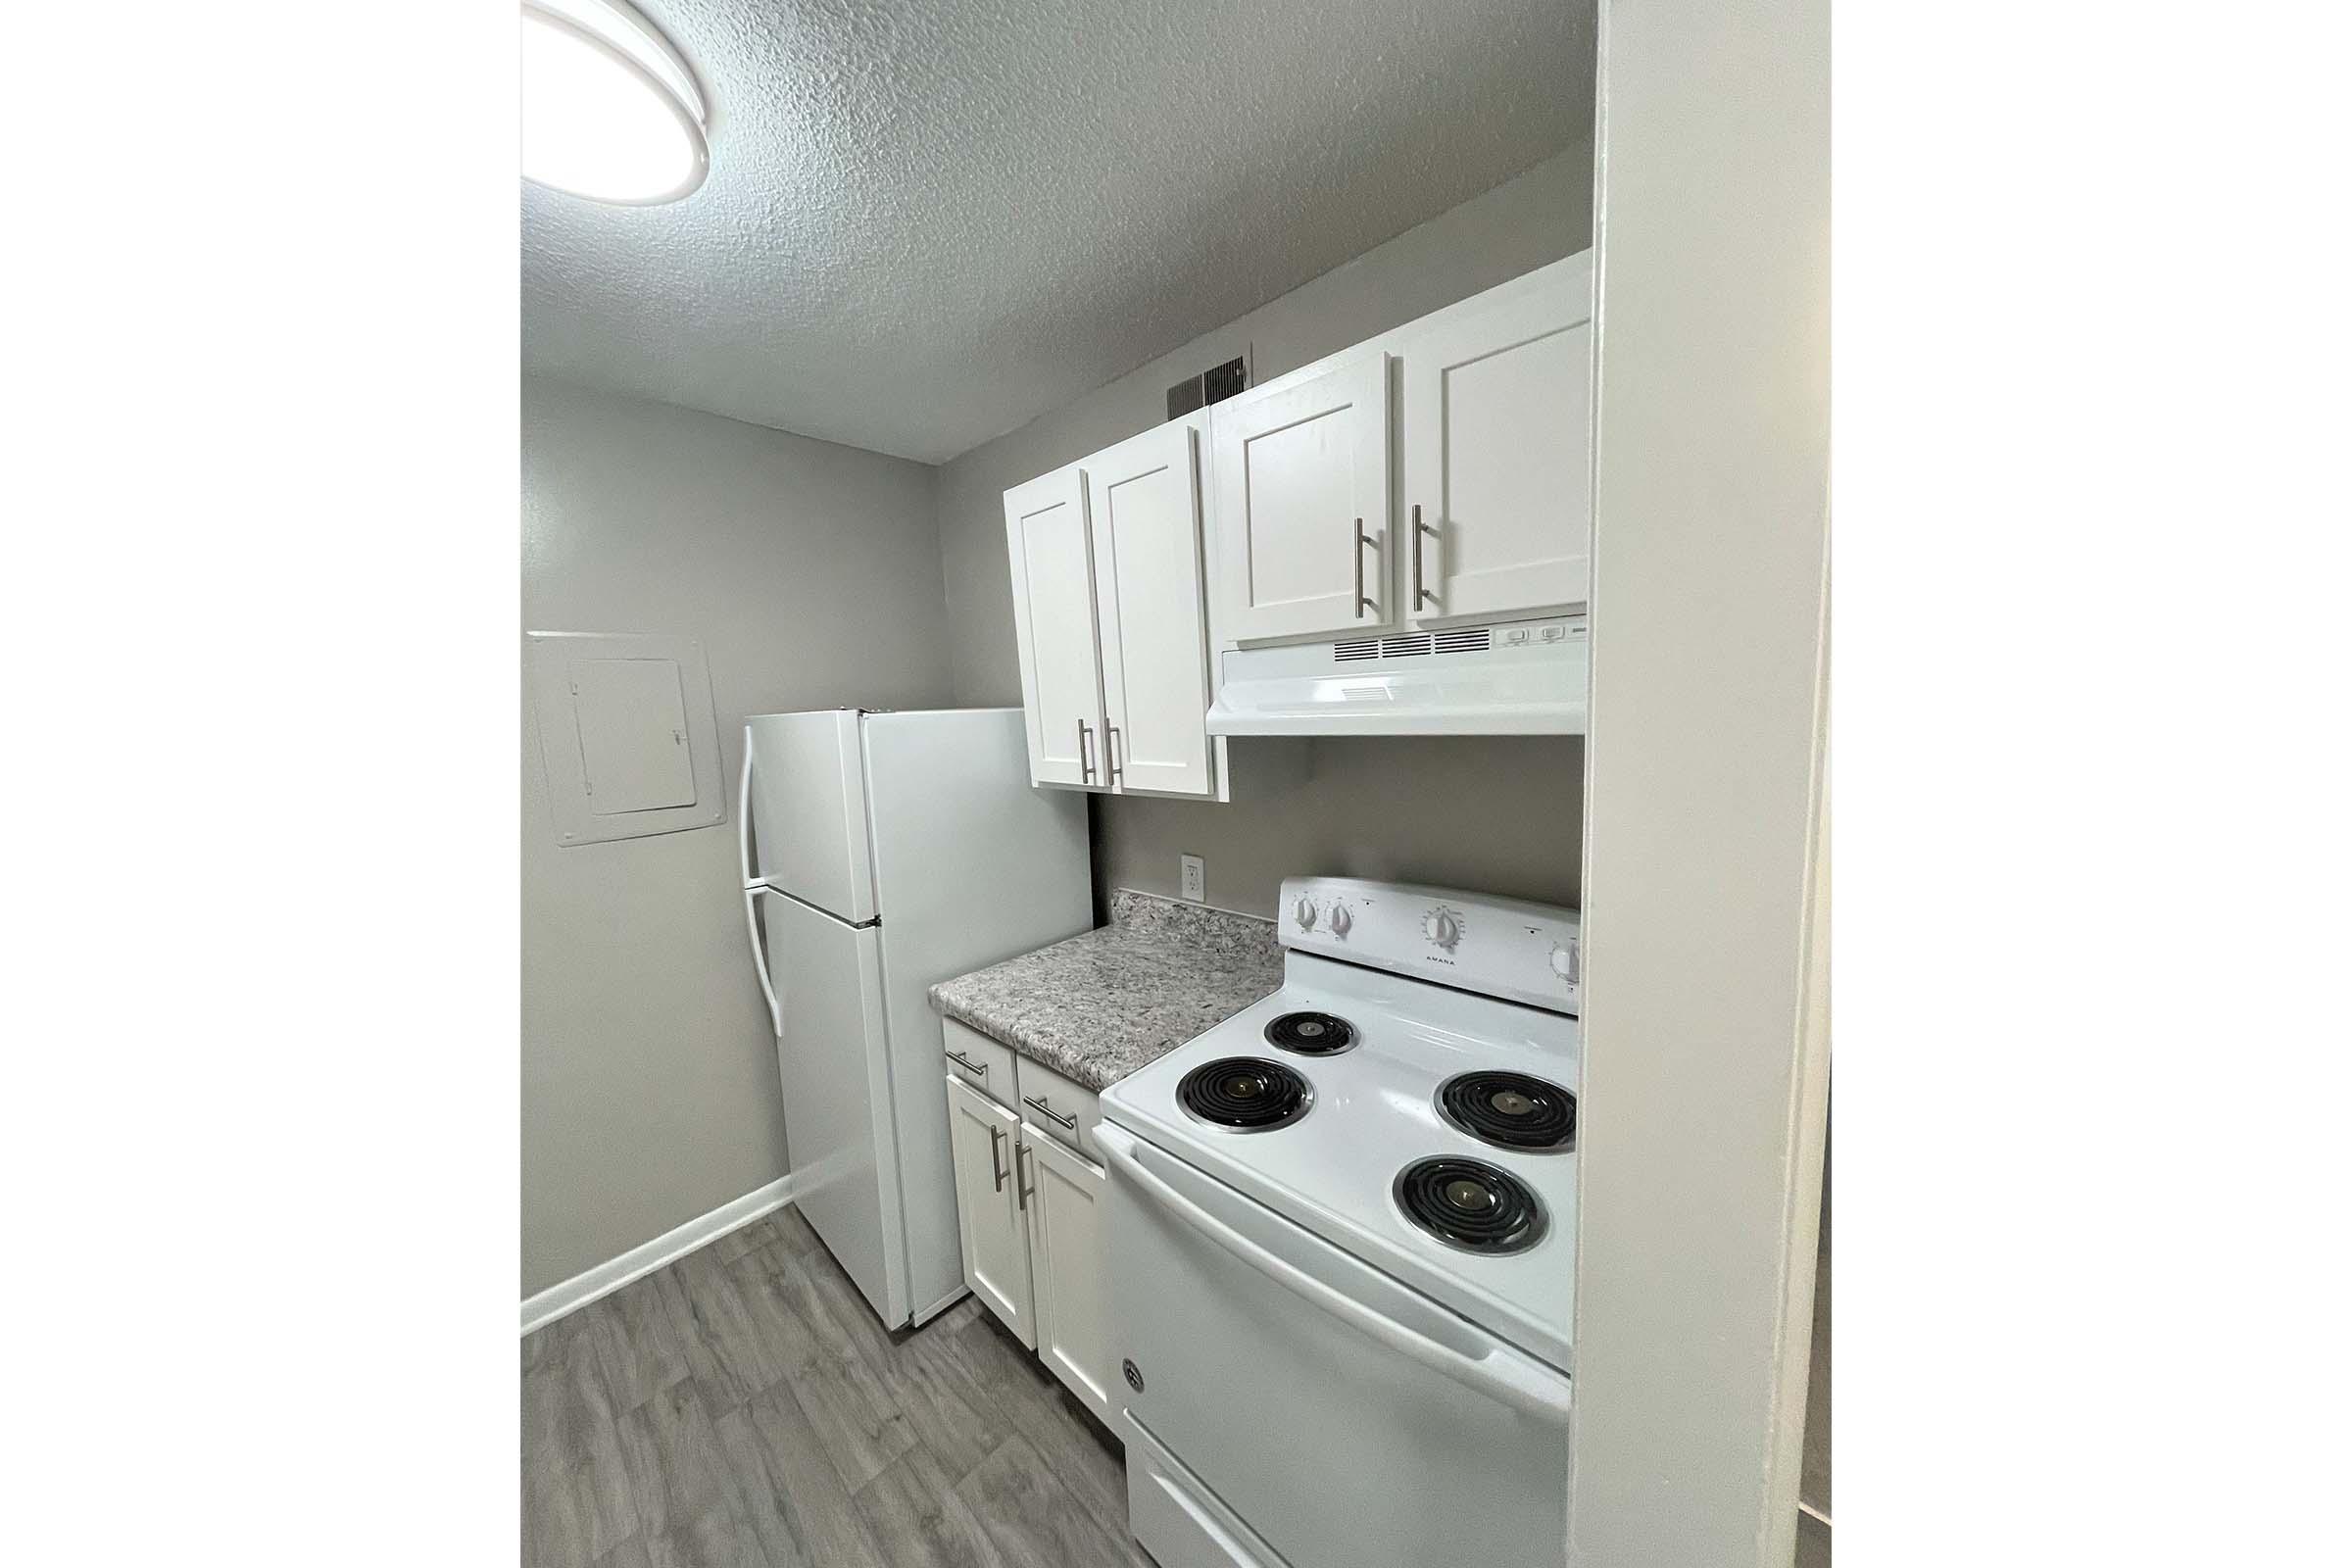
(1500,1374)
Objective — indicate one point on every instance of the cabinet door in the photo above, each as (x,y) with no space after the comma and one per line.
(989,1216)
(1497,462)
(1142,499)
(1052,554)
(1302,502)
(1065,1262)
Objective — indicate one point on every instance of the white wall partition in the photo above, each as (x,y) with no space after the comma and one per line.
(1701,1110)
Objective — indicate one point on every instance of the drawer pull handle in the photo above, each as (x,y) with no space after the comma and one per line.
(967,1064)
(1069,1123)
(996,1141)
(1022,1190)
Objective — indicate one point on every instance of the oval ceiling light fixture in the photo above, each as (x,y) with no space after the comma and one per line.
(609,109)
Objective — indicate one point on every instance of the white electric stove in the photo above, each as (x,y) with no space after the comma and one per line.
(1343,1243)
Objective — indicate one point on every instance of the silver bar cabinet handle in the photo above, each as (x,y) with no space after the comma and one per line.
(1111,752)
(967,1064)
(1050,1113)
(1086,751)
(1421,595)
(1021,1189)
(996,1141)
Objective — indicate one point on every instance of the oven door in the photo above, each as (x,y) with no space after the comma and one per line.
(1348,1420)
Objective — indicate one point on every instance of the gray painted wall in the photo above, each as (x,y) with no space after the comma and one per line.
(1501,814)
(811,574)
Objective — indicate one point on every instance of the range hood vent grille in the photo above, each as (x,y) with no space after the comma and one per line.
(1464,640)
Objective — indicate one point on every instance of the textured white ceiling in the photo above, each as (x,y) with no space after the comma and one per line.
(927,223)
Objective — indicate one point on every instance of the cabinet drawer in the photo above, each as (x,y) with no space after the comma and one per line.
(1059,1107)
(984,1063)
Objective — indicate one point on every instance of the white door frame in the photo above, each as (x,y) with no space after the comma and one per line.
(1703,1104)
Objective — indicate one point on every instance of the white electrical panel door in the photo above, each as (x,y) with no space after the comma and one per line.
(632,722)
(1144,502)
(1302,502)
(1051,557)
(628,742)
(1496,414)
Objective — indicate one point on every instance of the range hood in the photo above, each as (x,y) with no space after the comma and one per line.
(1522,679)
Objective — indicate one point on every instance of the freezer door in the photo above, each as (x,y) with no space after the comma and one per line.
(809,811)
(832,1057)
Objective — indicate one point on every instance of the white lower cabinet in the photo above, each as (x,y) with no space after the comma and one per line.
(1029,1209)
(985,1138)
(1065,1270)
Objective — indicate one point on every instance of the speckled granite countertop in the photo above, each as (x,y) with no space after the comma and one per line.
(1103,1003)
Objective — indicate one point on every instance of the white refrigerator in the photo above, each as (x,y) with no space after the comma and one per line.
(882,853)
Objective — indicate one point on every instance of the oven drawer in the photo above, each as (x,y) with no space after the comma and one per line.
(1186,1526)
(1347,1419)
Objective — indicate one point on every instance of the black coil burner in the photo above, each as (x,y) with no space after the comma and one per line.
(1243,1094)
(1310,1034)
(1470,1204)
(1510,1110)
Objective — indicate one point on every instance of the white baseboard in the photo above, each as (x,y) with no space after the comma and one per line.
(569,1296)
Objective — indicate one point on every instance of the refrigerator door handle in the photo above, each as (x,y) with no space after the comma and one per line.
(751,924)
(743,817)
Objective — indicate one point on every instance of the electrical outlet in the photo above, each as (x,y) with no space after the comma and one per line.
(1196,877)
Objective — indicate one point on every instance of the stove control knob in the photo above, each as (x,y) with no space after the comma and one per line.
(1563,962)
(1305,915)
(1339,920)
(1441,928)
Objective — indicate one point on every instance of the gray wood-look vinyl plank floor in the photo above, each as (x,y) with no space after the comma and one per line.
(744,1408)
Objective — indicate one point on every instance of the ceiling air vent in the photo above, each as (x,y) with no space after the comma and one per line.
(1467,640)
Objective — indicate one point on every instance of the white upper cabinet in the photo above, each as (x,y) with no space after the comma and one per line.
(1302,467)
(1498,473)
(1051,552)
(1110,616)
(1144,499)
(1437,475)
